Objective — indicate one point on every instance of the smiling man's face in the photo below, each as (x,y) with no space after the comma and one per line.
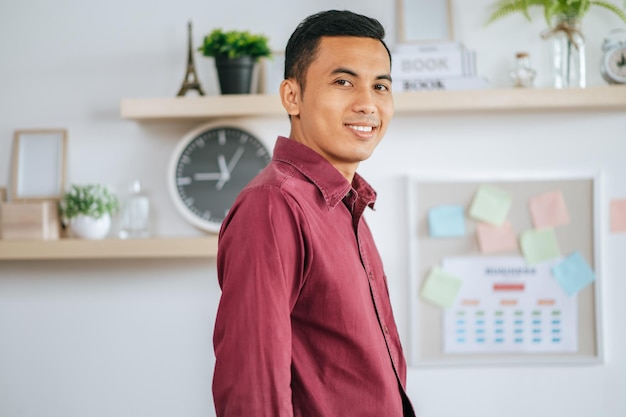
(347,103)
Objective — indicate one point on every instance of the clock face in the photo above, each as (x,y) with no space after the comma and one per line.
(614,65)
(209,168)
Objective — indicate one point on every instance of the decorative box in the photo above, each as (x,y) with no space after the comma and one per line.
(29,221)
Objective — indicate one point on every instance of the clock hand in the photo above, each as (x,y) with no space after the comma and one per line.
(224,171)
(207,176)
(228,169)
(233,161)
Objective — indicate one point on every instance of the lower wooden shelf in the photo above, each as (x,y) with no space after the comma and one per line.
(162,247)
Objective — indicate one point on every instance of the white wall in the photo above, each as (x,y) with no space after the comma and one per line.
(133,338)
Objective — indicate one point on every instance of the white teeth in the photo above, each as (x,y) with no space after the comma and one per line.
(362,128)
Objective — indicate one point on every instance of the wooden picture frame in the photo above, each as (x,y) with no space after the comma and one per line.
(39,165)
(424,20)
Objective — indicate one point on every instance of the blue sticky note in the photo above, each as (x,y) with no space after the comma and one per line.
(446,221)
(573,273)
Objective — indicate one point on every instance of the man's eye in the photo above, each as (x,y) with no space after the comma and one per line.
(381,87)
(343,82)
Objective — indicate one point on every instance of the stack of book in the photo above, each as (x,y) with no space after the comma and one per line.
(435,66)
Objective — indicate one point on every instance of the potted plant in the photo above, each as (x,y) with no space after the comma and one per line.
(235,54)
(564,21)
(88,210)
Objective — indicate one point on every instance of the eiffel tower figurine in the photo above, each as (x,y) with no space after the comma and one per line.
(191,78)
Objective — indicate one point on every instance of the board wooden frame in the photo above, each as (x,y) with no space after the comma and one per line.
(39,165)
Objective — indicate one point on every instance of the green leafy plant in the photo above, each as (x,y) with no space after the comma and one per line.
(91,200)
(235,44)
(569,9)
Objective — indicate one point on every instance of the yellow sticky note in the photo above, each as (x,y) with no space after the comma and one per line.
(490,205)
(441,288)
(539,245)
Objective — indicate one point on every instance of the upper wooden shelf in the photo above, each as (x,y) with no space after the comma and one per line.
(601,98)
(171,247)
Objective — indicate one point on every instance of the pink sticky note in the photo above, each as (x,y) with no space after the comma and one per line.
(618,216)
(495,239)
(548,210)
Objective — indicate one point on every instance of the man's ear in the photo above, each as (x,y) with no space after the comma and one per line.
(290,96)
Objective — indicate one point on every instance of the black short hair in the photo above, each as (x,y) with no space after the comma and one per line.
(302,45)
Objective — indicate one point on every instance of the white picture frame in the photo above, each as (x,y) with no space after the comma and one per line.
(424,20)
(39,165)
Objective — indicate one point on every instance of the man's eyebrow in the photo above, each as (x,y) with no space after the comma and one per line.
(342,70)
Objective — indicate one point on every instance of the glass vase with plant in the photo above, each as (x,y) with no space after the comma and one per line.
(563,18)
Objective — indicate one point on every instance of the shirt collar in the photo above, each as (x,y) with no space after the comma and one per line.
(333,186)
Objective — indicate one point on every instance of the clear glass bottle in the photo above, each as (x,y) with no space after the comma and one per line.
(135,219)
(568,46)
(522,75)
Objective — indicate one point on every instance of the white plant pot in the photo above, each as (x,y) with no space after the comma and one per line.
(87,227)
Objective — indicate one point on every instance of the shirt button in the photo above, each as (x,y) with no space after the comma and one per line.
(385,329)
(371,276)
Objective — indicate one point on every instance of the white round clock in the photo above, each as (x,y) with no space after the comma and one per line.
(613,66)
(209,167)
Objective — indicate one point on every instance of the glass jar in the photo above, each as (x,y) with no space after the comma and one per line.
(522,75)
(568,53)
(135,216)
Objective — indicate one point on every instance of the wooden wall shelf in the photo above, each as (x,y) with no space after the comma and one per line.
(602,98)
(160,248)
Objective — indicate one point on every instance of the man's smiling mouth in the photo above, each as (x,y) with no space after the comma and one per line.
(361,128)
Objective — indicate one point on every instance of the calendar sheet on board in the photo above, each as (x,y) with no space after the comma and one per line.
(506,305)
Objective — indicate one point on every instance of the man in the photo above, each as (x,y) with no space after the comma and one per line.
(305,326)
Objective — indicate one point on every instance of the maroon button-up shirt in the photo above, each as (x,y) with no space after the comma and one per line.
(304,326)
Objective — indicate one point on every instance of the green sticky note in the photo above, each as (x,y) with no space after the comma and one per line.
(441,288)
(539,245)
(491,205)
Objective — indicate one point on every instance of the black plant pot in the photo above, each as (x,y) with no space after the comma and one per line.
(235,75)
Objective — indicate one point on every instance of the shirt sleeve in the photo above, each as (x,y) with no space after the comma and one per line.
(260,270)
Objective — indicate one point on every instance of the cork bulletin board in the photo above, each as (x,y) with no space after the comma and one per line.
(471,303)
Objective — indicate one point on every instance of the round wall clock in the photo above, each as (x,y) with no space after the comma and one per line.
(209,167)
(613,65)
